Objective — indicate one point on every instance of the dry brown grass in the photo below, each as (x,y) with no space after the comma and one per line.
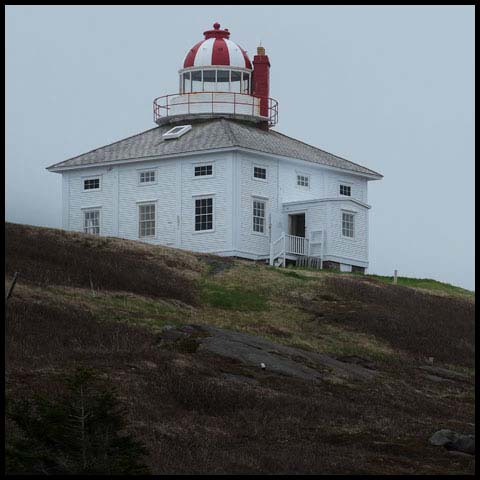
(53,257)
(192,418)
(407,319)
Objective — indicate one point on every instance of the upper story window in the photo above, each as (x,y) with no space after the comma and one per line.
(91,183)
(91,222)
(147,177)
(348,224)
(203,214)
(346,190)
(258,216)
(303,180)
(146,220)
(203,170)
(260,172)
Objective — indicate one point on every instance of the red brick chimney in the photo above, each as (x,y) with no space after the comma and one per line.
(261,79)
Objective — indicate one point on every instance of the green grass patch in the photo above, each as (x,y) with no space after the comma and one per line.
(426,284)
(233,298)
(292,274)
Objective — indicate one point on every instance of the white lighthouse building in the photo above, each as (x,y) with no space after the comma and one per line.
(214,176)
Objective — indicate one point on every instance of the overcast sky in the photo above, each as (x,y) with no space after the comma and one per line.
(391,88)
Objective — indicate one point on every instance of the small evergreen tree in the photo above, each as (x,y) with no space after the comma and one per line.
(78,433)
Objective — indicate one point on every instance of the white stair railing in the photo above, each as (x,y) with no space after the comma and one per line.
(288,244)
(296,245)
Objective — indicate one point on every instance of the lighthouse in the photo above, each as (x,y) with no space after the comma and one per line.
(215,176)
(218,77)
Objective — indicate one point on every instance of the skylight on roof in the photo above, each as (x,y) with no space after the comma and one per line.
(177,132)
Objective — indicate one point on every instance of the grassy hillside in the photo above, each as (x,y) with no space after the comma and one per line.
(103,303)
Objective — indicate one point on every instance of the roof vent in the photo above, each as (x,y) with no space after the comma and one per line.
(176,132)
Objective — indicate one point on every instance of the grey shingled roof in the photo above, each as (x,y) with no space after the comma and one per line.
(217,133)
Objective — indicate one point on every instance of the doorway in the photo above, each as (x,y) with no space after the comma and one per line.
(296,225)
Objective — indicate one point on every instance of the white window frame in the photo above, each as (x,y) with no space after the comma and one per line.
(203,197)
(345,184)
(142,204)
(258,179)
(353,214)
(147,170)
(92,209)
(304,175)
(183,130)
(265,206)
(203,164)
(92,177)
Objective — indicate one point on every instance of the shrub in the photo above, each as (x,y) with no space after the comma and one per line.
(78,433)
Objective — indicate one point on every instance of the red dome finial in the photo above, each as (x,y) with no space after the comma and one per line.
(216,25)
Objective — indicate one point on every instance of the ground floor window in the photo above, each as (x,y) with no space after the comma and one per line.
(91,222)
(146,220)
(258,216)
(347,224)
(203,214)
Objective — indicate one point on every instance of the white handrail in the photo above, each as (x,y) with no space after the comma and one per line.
(296,245)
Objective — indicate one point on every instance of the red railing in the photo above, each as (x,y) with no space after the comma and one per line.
(255,106)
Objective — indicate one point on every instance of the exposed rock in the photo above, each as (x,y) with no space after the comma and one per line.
(253,351)
(454,441)
(442,437)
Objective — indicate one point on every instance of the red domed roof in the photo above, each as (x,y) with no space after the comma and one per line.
(217,49)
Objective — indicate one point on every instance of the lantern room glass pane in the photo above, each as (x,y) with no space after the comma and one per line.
(223,81)
(235,82)
(197,81)
(209,80)
(187,83)
(246,83)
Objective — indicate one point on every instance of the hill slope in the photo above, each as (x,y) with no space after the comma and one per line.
(159,323)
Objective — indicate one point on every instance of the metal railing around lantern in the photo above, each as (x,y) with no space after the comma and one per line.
(242,104)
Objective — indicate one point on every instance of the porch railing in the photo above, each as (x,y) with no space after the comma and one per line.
(288,244)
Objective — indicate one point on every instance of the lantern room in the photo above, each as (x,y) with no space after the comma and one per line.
(218,78)
(216,64)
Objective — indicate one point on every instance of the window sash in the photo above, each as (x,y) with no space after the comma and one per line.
(258,216)
(346,190)
(203,214)
(348,224)
(91,184)
(203,171)
(303,180)
(147,176)
(260,172)
(146,220)
(91,222)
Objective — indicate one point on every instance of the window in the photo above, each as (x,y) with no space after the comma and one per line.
(209,80)
(91,184)
(246,83)
(91,222)
(347,224)
(203,170)
(303,180)
(197,82)
(223,81)
(259,172)
(146,220)
(345,190)
(176,132)
(204,214)
(147,177)
(187,83)
(258,216)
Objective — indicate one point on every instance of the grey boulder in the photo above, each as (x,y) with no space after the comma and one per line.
(454,441)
